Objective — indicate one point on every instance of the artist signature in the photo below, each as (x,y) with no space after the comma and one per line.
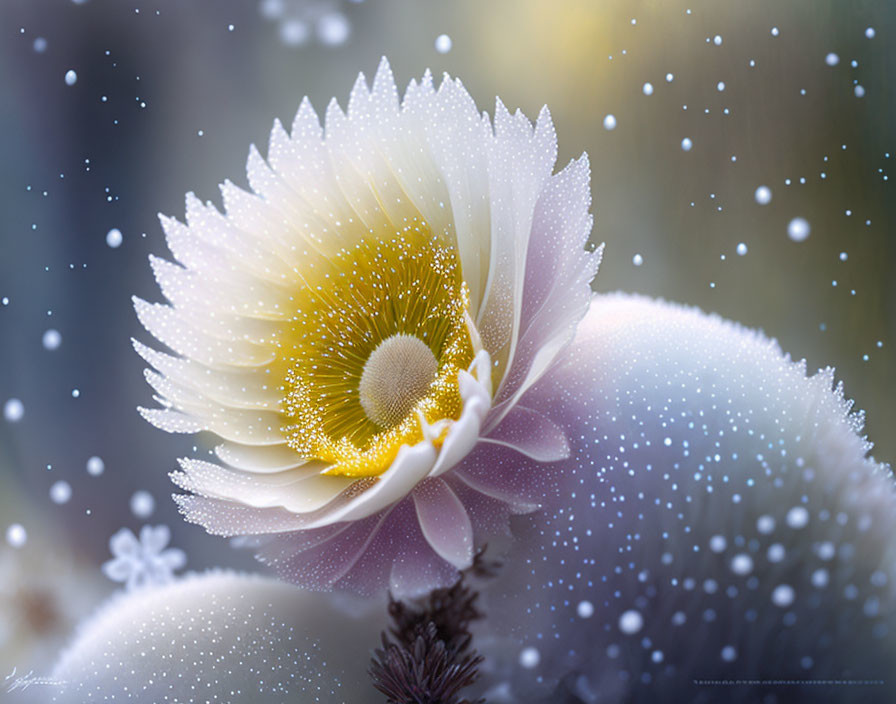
(19,682)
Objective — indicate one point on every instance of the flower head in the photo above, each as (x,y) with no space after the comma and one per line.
(143,561)
(354,328)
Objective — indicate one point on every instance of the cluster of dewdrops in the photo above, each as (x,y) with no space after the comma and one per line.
(797,227)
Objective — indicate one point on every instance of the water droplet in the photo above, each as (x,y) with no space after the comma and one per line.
(741,249)
(294,32)
(783,595)
(13,410)
(765,524)
(742,564)
(775,552)
(775,31)
(720,86)
(333,29)
(530,657)
(610,122)
(717,40)
(443,44)
(870,32)
(832,59)
(60,492)
(686,144)
(142,504)
(798,229)
(51,339)
(630,622)
(763,195)
(859,91)
(647,89)
(670,77)
(637,260)
(71,77)
(16,535)
(95,466)
(114,238)
(797,517)
(820,578)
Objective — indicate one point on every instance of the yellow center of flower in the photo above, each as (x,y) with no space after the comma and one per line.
(375,345)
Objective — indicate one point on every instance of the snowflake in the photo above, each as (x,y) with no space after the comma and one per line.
(145,561)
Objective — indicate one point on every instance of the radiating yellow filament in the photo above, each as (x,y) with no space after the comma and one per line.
(407,285)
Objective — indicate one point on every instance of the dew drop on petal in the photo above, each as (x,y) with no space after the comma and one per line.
(798,229)
(610,122)
(13,410)
(142,504)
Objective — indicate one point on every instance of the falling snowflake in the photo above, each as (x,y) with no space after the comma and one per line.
(145,561)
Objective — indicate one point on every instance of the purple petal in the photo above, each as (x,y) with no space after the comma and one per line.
(532,434)
(444,522)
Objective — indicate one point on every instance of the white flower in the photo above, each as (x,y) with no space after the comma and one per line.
(216,637)
(138,563)
(356,326)
(719,518)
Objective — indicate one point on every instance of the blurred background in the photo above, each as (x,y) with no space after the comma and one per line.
(741,155)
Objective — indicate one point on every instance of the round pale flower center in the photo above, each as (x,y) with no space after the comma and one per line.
(373,348)
(396,376)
